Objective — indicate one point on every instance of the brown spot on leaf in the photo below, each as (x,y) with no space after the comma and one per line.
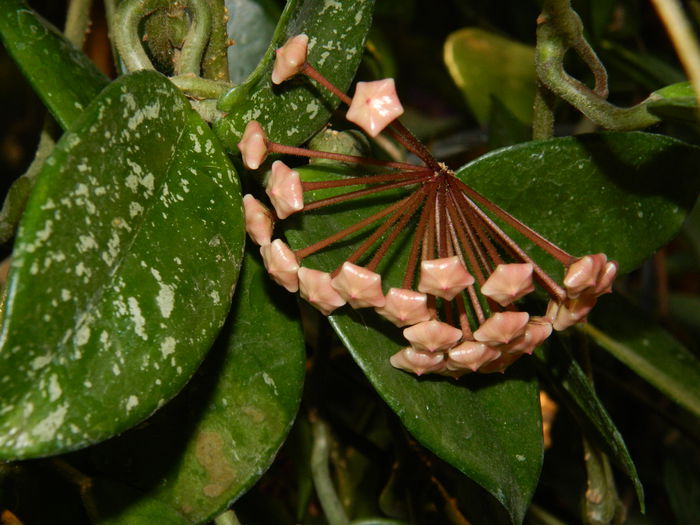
(209,451)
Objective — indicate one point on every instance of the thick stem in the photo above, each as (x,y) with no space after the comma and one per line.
(77,22)
(196,40)
(549,64)
(320,473)
(543,113)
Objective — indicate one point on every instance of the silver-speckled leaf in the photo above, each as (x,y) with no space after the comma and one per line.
(122,273)
(295,110)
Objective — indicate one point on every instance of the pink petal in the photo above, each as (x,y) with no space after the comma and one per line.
(432,336)
(500,364)
(289,58)
(444,277)
(405,307)
(502,327)
(471,355)
(574,311)
(281,264)
(284,189)
(417,361)
(584,274)
(315,287)
(537,330)
(359,286)
(606,278)
(508,283)
(258,220)
(253,146)
(374,105)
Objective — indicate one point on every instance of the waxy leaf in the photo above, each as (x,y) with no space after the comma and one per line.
(566,377)
(213,441)
(677,101)
(63,76)
(632,337)
(118,504)
(122,272)
(295,110)
(591,193)
(488,427)
(251,24)
(491,69)
(594,193)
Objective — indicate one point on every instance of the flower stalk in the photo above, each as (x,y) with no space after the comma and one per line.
(458,301)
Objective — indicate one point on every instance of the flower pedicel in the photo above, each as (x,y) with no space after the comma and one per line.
(460,259)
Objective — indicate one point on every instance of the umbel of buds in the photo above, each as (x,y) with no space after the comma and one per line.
(458,302)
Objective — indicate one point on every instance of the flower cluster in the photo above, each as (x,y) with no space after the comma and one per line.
(457,302)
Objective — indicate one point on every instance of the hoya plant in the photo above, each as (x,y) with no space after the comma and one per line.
(350,262)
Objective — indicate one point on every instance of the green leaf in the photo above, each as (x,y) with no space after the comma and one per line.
(211,443)
(294,111)
(677,102)
(251,24)
(119,504)
(594,193)
(63,77)
(565,375)
(487,427)
(490,68)
(632,337)
(122,272)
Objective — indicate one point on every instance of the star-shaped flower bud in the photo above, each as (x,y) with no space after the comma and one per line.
(253,145)
(284,189)
(444,277)
(470,355)
(418,361)
(405,307)
(584,273)
(573,311)
(432,336)
(500,364)
(359,286)
(374,105)
(289,58)
(508,283)
(606,278)
(281,263)
(258,220)
(315,287)
(502,327)
(536,331)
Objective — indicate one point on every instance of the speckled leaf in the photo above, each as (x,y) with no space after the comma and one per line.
(486,426)
(571,384)
(294,111)
(606,192)
(490,68)
(251,24)
(123,268)
(632,337)
(64,78)
(212,442)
